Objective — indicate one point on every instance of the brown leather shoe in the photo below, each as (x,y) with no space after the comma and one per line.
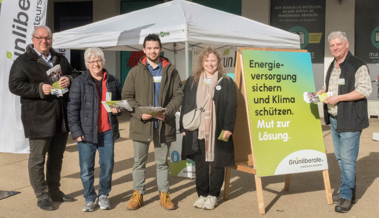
(166,201)
(136,201)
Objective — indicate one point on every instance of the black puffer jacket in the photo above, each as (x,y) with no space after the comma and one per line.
(42,115)
(83,107)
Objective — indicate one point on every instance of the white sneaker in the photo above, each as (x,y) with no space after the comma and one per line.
(89,206)
(210,203)
(199,203)
(104,202)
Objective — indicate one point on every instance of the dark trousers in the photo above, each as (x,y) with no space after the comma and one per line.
(54,147)
(209,179)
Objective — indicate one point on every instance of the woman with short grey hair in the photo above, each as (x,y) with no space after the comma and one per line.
(93,127)
(93,51)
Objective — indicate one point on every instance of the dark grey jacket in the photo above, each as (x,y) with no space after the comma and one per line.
(83,107)
(352,116)
(42,116)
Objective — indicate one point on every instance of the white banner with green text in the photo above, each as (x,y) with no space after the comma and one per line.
(17,21)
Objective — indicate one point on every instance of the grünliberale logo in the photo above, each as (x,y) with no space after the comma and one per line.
(305,161)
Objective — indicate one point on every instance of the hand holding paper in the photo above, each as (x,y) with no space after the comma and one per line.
(64,82)
(153,111)
(120,105)
(161,117)
(311,97)
(146,117)
(332,100)
(46,88)
(115,110)
(224,135)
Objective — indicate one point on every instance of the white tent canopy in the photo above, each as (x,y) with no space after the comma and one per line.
(186,23)
(182,21)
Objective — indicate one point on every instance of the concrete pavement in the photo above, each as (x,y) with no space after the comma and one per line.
(306,197)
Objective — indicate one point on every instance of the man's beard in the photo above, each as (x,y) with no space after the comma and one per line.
(152,59)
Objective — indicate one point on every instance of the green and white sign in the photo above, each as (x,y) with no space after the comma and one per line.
(179,167)
(286,131)
(17,21)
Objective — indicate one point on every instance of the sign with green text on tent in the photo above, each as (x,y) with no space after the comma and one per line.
(285,129)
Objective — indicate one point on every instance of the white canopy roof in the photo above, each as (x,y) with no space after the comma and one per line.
(176,21)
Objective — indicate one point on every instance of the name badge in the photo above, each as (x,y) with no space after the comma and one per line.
(218,87)
(207,81)
(157,79)
(341,81)
(108,96)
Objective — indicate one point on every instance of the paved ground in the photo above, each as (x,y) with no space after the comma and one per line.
(306,197)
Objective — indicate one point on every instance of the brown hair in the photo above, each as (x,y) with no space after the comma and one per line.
(204,54)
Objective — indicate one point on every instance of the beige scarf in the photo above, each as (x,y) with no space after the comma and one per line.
(207,126)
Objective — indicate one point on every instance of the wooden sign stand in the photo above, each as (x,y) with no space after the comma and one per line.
(243,145)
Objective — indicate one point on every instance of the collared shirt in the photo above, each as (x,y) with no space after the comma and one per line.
(362,84)
(48,59)
(157,77)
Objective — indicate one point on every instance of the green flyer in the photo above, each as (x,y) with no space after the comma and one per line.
(286,130)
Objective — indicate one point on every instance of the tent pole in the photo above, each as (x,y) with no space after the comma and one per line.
(174,44)
(187,61)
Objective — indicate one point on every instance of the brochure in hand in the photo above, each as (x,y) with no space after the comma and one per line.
(311,97)
(122,105)
(58,90)
(221,136)
(153,111)
(54,74)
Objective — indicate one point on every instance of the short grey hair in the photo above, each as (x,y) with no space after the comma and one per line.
(43,27)
(93,51)
(337,35)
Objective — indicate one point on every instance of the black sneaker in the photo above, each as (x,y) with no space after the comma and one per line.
(46,204)
(343,206)
(336,199)
(61,197)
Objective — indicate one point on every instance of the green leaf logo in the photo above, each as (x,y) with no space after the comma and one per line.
(9,55)
(226,52)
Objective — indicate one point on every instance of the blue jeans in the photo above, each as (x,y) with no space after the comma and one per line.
(346,148)
(87,152)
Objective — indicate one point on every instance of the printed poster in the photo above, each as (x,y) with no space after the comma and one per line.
(305,18)
(286,130)
(367,31)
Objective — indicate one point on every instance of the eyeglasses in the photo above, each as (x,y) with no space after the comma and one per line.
(41,38)
(93,62)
